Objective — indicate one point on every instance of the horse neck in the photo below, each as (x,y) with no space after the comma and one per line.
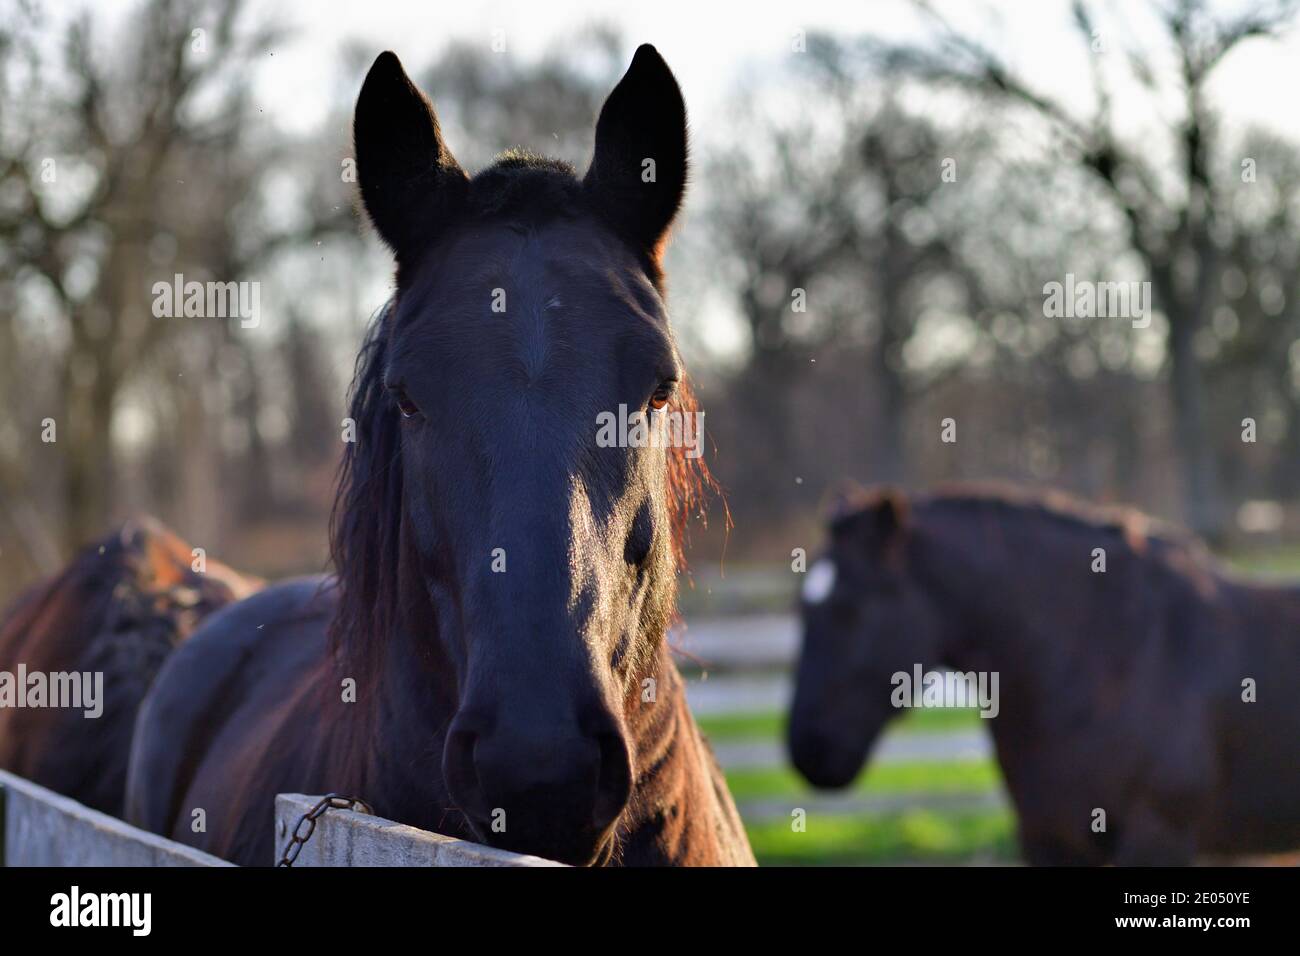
(970,570)
(1264,608)
(949,576)
(1282,595)
(680,812)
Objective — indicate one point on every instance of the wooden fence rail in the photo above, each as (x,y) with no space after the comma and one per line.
(346,838)
(39,827)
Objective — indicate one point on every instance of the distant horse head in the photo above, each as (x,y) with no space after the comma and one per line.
(867,615)
(481,518)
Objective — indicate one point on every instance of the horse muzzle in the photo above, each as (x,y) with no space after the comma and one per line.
(540,787)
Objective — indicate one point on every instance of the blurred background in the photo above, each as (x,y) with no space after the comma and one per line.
(881,192)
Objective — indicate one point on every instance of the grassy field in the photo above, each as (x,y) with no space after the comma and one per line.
(862,837)
(910,836)
(772,724)
(1272,562)
(922,776)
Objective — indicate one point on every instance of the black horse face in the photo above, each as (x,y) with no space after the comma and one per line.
(865,620)
(545,552)
(527,340)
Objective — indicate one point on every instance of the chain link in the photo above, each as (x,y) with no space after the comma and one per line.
(306,824)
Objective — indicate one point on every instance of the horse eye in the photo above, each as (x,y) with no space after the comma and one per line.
(407,407)
(662,395)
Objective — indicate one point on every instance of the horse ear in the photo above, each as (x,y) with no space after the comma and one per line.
(878,517)
(638,171)
(844,499)
(890,513)
(410,182)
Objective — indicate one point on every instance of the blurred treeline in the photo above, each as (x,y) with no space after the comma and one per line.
(878,222)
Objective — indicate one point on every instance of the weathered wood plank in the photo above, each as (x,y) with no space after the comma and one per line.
(346,838)
(43,828)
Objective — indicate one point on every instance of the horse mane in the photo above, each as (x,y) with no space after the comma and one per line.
(1139,531)
(690,483)
(366,519)
(48,623)
(525,186)
(136,578)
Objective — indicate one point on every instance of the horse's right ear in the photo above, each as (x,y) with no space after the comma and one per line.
(879,515)
(890,515)
(410,182)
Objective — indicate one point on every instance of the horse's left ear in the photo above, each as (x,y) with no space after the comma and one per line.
(410,182)
(638,172)
(878,518)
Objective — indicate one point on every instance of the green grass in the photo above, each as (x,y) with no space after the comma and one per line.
(740,726)
(923,776)
(911,836)
(772,724)
(1274,561)
(908,836)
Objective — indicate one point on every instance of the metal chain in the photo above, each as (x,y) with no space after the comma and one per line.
(306,824)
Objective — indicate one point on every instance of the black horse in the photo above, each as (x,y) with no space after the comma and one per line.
(490,661)
(1147,707)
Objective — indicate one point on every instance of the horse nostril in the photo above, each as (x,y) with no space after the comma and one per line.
(640,538)
(821,763)
(555,787)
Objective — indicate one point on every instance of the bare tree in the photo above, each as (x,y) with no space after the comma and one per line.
(117,169)
(816,213)
(1172,214)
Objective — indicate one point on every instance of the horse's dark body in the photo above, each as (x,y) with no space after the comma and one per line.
(504,583)
(119,608)
(1120,691)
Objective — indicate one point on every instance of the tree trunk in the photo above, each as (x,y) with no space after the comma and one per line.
(887,461)
(1195,452)
(84,436)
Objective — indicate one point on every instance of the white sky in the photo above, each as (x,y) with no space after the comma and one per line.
(714,46)
(710,44)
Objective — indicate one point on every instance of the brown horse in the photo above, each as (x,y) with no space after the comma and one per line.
(1148,705)
(490,661)
(117,610)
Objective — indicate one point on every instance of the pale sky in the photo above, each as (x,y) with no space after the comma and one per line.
(710,44)
(717,48)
